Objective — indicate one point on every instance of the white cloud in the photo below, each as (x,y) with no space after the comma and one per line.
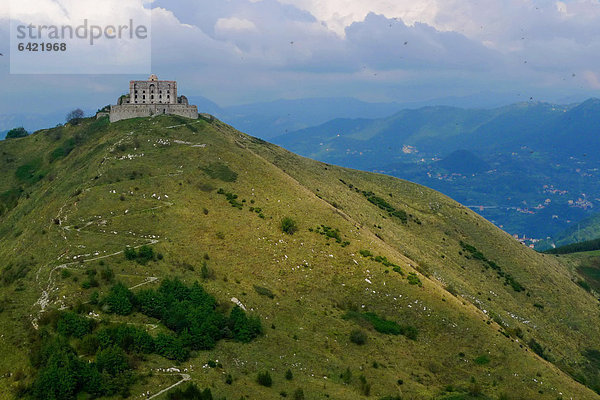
(234,24)
(245,50)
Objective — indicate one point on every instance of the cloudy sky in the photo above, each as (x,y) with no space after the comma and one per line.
(241,51)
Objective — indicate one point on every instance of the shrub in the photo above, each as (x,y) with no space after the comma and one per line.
(330,232)
(366,253)
(244,329)
(130,253)
(71,324)
(30,172)
(537,348)
(16,133)
(94,298)
(145,254)
(289,226)
(75,116)
(89,345)
(190,393)
(358,337)
(299,394)
(112,360)
(264,379)
(413,279)
(289,375)
(220,171)
(107,275)
(383,325)
(59,371)
(119,300)
(142,256)
(206,272)
(482,360)
(127,337)
(584,285)
(170,347)
(365,387)
(346,376)
(264,291)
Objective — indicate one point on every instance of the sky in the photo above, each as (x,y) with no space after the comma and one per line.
(245,51)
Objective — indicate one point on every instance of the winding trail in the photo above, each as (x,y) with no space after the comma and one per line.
(184,378)
(50,286)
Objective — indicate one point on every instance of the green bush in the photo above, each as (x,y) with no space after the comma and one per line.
(71,324)
(383,325)
(107,274)
(299,394)
(289,375)
(244,329)
(144,255)
(89,345)
(127,337)
(365,387)
(112,360)
(220,171)
(9,200)
(413,279)
(358,337)
(231,198)
(537,348)
(346,376)
(130,253)
(366,253)
(264,291)
(482,360)
(16,133)
(264,379)
(60,368)
(171,347)
(289,226)
(586,286)
(30,172)
(329,233)
(119,300)
(191,392)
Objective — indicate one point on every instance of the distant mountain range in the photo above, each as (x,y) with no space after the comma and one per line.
(3,135)
(279,117)
(532,168)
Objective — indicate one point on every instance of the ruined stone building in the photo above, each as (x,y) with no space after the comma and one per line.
(152,97)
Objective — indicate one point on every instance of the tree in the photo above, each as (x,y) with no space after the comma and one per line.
(264,379)
(16,133)
(75,116)
(120,300)
(244,329)
(71,324)
(289,226)
(112,360)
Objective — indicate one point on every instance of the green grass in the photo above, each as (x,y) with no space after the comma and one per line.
(97,201)
(221,172)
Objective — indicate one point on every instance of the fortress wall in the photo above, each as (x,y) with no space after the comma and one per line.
(126,111)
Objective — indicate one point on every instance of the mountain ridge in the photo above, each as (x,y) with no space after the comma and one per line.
(370,245)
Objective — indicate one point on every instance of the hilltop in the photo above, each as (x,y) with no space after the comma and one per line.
(365,285)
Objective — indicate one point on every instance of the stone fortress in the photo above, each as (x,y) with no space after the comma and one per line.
(152,97)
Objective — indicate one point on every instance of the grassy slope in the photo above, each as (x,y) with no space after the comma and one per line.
(104,206)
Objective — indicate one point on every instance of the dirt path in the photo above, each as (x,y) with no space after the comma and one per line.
(184,378)
(49,286)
